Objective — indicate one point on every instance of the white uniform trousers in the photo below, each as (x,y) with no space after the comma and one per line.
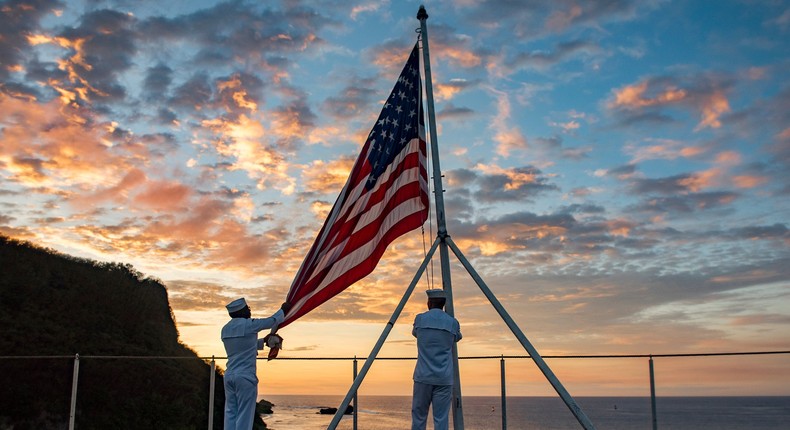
(240,400)
(439,397)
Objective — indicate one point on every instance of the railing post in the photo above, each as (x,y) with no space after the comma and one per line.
(75,378)
(356,405)
(653,394)
(212,381)
(504,397)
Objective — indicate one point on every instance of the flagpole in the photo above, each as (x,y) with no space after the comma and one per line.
(384,334)
(438,192)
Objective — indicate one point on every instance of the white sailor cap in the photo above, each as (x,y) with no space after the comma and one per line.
(236,305)
(436,293)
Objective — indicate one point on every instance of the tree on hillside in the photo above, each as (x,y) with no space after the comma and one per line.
(57,305)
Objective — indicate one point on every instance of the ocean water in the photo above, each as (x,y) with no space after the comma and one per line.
(546,413)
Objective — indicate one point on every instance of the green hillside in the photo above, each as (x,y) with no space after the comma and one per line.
(56,305)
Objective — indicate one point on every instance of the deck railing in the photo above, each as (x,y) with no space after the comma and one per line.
(212,362)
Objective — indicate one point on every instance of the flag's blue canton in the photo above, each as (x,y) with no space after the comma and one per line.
(399,120)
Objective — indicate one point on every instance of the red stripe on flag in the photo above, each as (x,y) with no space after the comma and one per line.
(359,271)
(346,226)
(404,191)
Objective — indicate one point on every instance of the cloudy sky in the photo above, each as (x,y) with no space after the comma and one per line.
(617,171)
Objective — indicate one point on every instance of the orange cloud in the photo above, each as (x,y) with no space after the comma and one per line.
(243,207)
(516,179)
(369,7)
(320,209)
(664,149)
(457,55)
(330,135)
(163,195)
(213,240)
(15,93)
(82,88)
(511,237)
(508,138)
(327,177)
(203,221)
(712,103)
(47,144)
(574,294)
(728,158)
(713,107)
(240,139)
(488,248)
(633,96)
(619,227)
(691,151)
(39,39)
(238,95)
(288,124)
(118,192)
(445,92)
(705,179)
(733,158)
(390,58)
(749,181)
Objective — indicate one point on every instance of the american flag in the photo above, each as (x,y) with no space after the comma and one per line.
(385,196)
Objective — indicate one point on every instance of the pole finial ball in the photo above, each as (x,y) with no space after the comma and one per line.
(422,14)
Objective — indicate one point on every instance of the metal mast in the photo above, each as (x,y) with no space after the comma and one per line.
(438,191)
(444,242)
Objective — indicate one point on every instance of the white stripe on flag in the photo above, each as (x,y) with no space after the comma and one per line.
(412,146)
(372,214)
(408,176)
(362,253)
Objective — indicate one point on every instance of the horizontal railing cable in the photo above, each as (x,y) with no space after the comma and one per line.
(472,357)
(213,359)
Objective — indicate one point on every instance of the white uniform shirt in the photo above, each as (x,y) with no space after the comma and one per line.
(240,336)
(436,331)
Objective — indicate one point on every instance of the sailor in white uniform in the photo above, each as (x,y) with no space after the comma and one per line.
(436,333)
(240,336)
